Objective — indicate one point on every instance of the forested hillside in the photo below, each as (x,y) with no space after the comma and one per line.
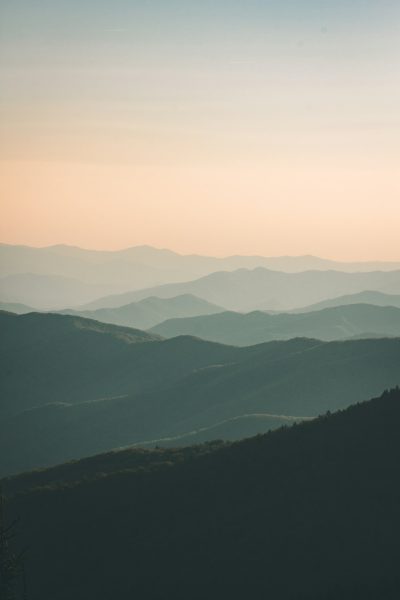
(305,512)
(73,387)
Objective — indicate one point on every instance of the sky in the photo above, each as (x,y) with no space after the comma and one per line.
(254,127)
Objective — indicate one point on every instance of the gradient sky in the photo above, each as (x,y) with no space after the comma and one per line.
(220,127)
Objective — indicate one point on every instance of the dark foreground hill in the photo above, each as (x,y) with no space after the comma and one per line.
(71,391)
(253,328)
(305,513)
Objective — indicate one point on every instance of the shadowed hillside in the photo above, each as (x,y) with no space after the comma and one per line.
(83,387)
(253,328)
(318,501)
(54,358)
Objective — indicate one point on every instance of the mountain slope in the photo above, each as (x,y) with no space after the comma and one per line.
(47,358)
(366,297)
(142,392)
(247,290)
(304,513)
(149,312)
(253,328)
(235,428)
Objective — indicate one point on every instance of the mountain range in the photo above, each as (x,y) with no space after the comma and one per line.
(62,276)
(48,358)
(246,290)
(365,297)
(336,323)
(150,311)
(118,266)
(83,387)
(304,513)
(166,426)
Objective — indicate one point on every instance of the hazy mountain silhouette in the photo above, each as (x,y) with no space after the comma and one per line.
(253,328)
(307,512)
(123,270)
(151,311)
(366,297)
(82,387)
(250,289)
(60,276)
(143,266)
(15,307)
(46,292)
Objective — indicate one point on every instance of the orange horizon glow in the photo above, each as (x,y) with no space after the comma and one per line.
(113,207)
(217,128)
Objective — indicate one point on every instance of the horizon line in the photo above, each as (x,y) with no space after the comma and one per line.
(196,254)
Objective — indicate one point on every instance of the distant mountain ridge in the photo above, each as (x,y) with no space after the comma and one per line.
(150,311)
(339,322)
(92,274)
(46,292)
(366,297)
(246,290)
(15,307)
(53,259)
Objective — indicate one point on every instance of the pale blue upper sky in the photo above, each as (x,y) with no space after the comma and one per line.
(223,65)
(98,32)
